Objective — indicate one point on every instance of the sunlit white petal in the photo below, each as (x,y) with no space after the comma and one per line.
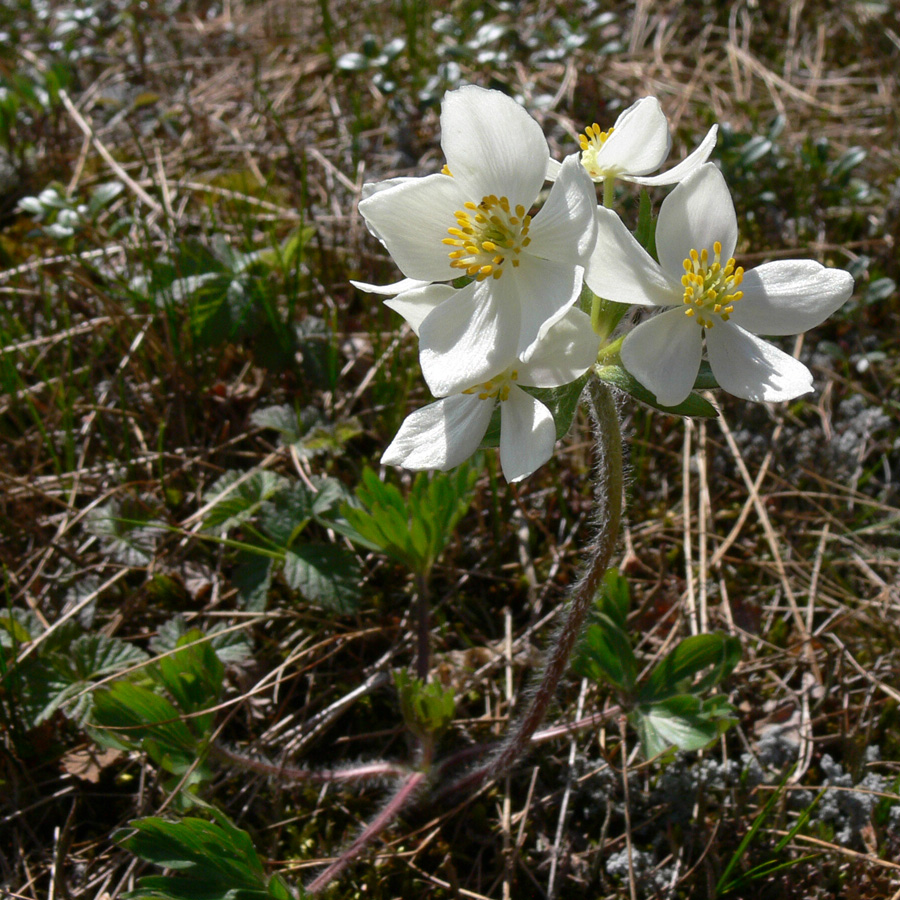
(621,270)
(790,296)
(411,220)
(663,353)
(565,229)
(749,367)
(639,142)
(416,304)
(544,291)
(492,145)
(685,167)
(694,216)
(527,435)
(398,287)
(462,342)
(564,354)
(441,435)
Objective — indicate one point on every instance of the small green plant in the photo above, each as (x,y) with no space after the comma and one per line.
(667,707)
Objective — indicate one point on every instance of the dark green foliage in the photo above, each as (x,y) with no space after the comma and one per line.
(209,860)
(411,530)
(667,707)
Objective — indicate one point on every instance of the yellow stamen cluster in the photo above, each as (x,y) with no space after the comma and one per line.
(497,387)
(709,288)
(486,236)
(591,142)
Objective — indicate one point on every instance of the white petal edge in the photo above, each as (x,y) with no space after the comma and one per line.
(411,219)
(663,354)
(553,167)
(565,229)
(418,303)
(468,339)
(563,354)
(694,216)
(620,269)
(640,140)
(527,435)
(441,435)
(398,287)
(492,145)
(790,296)
(754,369)
(678,173)
(543,291)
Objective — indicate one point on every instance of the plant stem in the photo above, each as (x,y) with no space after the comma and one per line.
(608,511)
(423,614)
(372,830)
(609,191)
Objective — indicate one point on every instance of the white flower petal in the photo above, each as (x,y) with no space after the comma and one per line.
(411,219)
(553,168)
(492,145)
(790,296)
(685,167)
(564,353)
(398,287)
(468,339)
(694,216)
(565,229)
(621,270)
(416,304)
(749,367)
(543,290)
(441,435)
(527,435)
(663,353)
(639,142)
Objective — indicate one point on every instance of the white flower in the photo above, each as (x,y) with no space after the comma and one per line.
(447,432)
(636,145)
(696,235)
(474,219)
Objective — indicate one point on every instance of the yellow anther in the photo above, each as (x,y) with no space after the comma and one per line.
(709,287)
(485,235)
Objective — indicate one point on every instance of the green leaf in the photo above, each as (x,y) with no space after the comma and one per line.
(645,233)
(131,716)
(284,516)
(237,497)
(414,530)
(230,646)
(427,708)
(678,721)
(605,654)
(325,574)
(619,377)
(253,578)
(193,676)
(674,675)
(210,860)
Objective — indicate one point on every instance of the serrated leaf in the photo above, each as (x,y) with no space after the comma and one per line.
(193,676)
(213,860)
(674,674)
(253,578)
(235,503)
(678,721)
(605,655)
(284,516)
(325,574)
(230,646)
(619,377)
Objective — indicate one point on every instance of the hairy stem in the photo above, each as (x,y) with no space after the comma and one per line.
(423,628)
(608,510)
(387,815)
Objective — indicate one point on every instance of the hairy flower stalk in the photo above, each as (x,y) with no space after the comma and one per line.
(608,511)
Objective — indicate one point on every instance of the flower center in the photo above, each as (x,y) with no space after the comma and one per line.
(486,236)
(591,142)
(709,288)
(497,387)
